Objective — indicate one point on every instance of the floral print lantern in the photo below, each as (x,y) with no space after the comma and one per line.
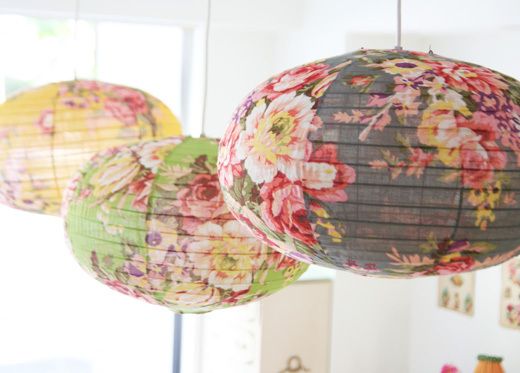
(150,221)
(381,162)
(47,133)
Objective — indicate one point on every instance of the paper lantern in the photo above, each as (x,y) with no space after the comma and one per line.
(150,221)
(382,162)
(47,133)
(489,364)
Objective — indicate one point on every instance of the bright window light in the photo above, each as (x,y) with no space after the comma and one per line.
(54,317)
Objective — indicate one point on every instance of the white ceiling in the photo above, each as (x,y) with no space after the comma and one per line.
(437,16)
(265,14)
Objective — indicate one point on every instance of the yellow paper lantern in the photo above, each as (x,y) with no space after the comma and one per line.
(46,134)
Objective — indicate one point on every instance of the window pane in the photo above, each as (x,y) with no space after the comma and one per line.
(144,56)
(54,317)
(39,51)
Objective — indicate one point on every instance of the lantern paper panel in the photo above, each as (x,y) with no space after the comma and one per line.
(381,162)
(47,133)
(150,221)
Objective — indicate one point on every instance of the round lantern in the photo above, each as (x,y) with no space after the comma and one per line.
(47,133)
(382,162)
(150,221)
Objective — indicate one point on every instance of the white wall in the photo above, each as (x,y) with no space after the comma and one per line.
(55,318)
(440,336)
(238,14)
(240,59)
(386,326)
(382,326)
(370,324)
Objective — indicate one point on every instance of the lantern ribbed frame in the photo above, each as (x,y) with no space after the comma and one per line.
(387,163)
(150,221)
(46,134)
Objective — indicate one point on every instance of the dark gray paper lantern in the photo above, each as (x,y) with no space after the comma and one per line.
(382,162)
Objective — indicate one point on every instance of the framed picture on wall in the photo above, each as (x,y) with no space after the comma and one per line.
(457,293)
(510,304)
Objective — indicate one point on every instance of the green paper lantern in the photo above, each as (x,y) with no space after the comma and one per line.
(149,220)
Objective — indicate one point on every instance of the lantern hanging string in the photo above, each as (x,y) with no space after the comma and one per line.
(206,59)
(75,38)
(399,46)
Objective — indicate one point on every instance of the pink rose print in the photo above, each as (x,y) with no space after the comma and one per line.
(141,189)
(229,162)
(283,209)
(126,105)
(325,178)
(200,201)
(292,80)
(46,122)
(480,155)
(468,78)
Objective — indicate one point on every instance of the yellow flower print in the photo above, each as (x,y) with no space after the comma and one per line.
(485,200)
(227,262)
(117,174)
(192,294)
(331,228)
(275,137)
(439,128)
(449,257)
(290,273)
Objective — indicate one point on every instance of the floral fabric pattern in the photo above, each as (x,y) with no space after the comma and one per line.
(48,132)
(385,163)
(149,220)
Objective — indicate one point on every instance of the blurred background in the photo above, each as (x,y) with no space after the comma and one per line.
(54,318)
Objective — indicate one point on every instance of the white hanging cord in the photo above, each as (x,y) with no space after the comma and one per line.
(206,58)
(399,46)
(75,38)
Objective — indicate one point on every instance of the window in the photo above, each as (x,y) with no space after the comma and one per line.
(38,51)
(54,317)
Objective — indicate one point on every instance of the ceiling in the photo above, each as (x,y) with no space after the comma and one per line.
(439,16)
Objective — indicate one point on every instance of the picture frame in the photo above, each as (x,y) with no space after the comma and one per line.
(457,293)
(510,295)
